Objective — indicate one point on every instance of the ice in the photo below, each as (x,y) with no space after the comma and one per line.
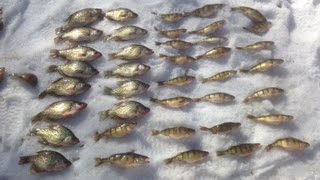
(28,37)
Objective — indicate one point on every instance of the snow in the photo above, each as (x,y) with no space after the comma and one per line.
(28,37)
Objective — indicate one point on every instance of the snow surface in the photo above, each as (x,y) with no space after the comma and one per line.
(28,37)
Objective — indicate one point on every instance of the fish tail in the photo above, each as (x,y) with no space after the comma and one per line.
(249,116)
(196,100)
(202,128)
(192,32)
(246,100)
(168,161)
(54,53)
(98,161)
(42,95)
(59,30)
(107,91)
(25,159)
(156,29)
(37,118)
(112,56)
(269,147)
(154,13)
(247,29)
(104,115)
(199,57)
(155,133)
(52,68)
(58,39)
(221,153)
(234,9)
(33,132)
(108,37)
(97,136)
(244,70)
(204,80)
(108,74)
(160,83)
(154,100)
(240,48)
(163,55)
(158,43)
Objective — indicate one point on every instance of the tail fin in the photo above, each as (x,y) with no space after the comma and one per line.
(52,68)
(269,147)
(108,74)
(33,132)
(37,118)
(42,95)
(108,37)
(199,57)
(25,159)
(204,80)
(202,128)
(104,115)
(234,9)
(168,161)
(98,161)
(240,48)
(248,29)
(196,100)
(97,136)
(154,100)
(244,70)
(160,83)
(54,53)
(58,39)
(249,116)
(112,56)
(163,56)
(221,153)
(155,132)
(59,30)
(193,32)
(107,91)
(158,43)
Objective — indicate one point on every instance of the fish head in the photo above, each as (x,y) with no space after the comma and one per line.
(78,106)
(61,164)
(94,54)
(82,87)
(99,12)
(71,140)
(97,33)
(257,146)
(148,51)
(142,68)
(142,31)
(142,110)
(132,14)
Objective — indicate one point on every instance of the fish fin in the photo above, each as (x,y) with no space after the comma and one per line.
(43,141)
(33,132)
(269,147)
(193,32)
(202,128)
(36,118)
(120,83)
(98,161)
(221,153)
(54,53)
(107,91)
(25,159)
(42,95)
(204,80)
(112,56)
(244,70)
(240,48)
(108,37)
(108,74)
(58,39)
(154,100)
(160,83)
(168,161)
(104,115)
(52,68)
(163,56)
(196,100)
(155,132)
(97,136)
(199,57)
(234,9)
(247,29)
(59,30)
(249,116)
(158,43)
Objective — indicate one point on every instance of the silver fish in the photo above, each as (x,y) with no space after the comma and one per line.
(77,69)
(128,70)
(127,33)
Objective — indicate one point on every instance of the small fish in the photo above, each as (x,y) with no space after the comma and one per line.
(216,98)
(2,73)
(172,34)
(263,66)
(178,81)
(206,11)
(56,136)
(29,78)
(79,53)
(132,52)
(79,35)
(179,59)
(60,110)
(189,157)
(263,94)
(121,15)
(242,150)
(46,161)
(221,76)
(176,44)
(215,53)
(209,29)
(253,14)
(124,160)
(289,144)
(128,70)
(81,18)
(116,132)
(66,86)
(258,46)
(127,33)
(259,28)
(175,132)
(274,119)
(125,110)
(127,89)
(171,17)
(224,128)
(77,69)
(211,40)
(176,102)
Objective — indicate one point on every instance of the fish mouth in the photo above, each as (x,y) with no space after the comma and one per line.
(95,72)
(82,106)
(75,141)
(97,54)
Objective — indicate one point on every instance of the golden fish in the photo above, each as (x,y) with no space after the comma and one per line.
(172,34)
(215,53)
(191,156)
(132,52)
(175,132)
(178,81)
(116,132)
(127,33)
(258,46)
(274,119)
(179,59)
(253,14)
(78,35)
(209,29)
(176,102)
(121,15)
(216,98)
(263,94)
(211,40)
(79,53)
(242,150)
(77,69)
(224,128)
(171,17)
(206,11)
(221,76)
(288,143)
(127,89)
(176,44)
(29,78)
(124,160)
(2,73)
(259,28)
(263,66)
(128,70)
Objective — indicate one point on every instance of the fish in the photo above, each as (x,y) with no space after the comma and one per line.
(29,78)
(211,40)
(224,128)
(126,33)
(127,89)
(289,144)
(2,73)
(206,11)
(55,135)
(65,86)
(263,94)
(263,66)
(178,81)
(258,46)
(215,53)
(79,53)
(171,34)
(274,119)
(242,150)
(171,17)
(81,18)
(124,160)
(127,70)
(125,110)
(209,29)
(79,35)
(175,132)
(175,102)
(188,157)
(76,69)
(121,15)
(116,132)
(132,52)
(253,14)
(60,110)
(216,98)
(46,161)
(178,59)
(221,76)
(176,44)
(259,28)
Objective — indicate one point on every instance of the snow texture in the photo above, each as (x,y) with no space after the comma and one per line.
(28,37)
